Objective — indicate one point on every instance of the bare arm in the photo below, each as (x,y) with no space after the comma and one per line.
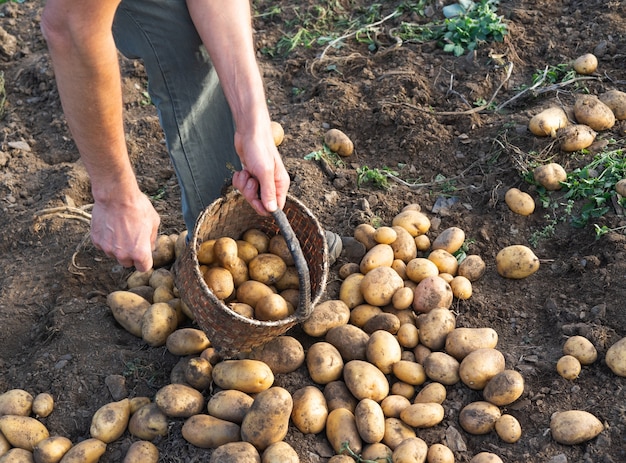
(84,56)
(225,27)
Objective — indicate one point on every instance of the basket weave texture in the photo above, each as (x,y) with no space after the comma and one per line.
(231,215)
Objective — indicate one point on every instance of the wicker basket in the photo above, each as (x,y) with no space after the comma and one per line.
(231,215)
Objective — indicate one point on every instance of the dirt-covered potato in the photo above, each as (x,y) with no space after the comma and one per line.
(148,422)
(220,281)
(267,421)
(393,404)
(415,222)
(142,452)
(326,315)
(420,268)
(397,431)
(267,268)
(479,417)
(439,453)
(278,133)
(431,393)
(364,234)
(87,451)
(157,323)
(128,310)
(547,122)
(585,64)
(479,366)
(110,421)
(516,262)
(463,340)
(163,253)
(310,410)
(550,176)
(289,280)
(198,373)
(179,400)
(51,450)
(423,415)
(377,452)
(581,348)
(616,101)
(616,357)
(508,428)
(282,354)
(257,238)
(350,290)
(370,421)
(209,432)
(408,335)
(379,285)
(324,362)
(246,375)
(350,341)
(434,326)
(365,381)
(229,405)
(383,350)
(445,262)
(404,247)
(402,298)
(431,293)
(409,450)
(16,402)
(251,291)
(187,341)
(23,431)
(576,137)
(380,255)
(348,269)
(339,142)
(472,267)
(519,201)
(273,307)
(442,368)
(590,111)
(461,287)
(504,388)
(568,367)
(280,452)
(341,429)
(451,239)
(486,457)
(574,427)
(409,372)
(338,395)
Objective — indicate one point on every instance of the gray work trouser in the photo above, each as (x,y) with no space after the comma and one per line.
(185,89)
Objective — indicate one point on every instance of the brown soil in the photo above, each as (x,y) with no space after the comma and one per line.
(57,333)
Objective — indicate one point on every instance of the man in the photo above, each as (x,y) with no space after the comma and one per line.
(207,88)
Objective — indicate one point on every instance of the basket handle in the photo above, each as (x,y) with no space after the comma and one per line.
(304,306)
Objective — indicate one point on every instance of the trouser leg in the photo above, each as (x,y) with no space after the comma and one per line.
(185,89)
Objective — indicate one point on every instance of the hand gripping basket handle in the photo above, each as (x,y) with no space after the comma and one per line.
(304,307)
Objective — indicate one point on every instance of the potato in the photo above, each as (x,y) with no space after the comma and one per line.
(420,268)
(258,239)
(420,352)
(220,281)
(431,293)
(242,309)
(410,450)
(148,422)
(403,389)
(385,235)
(267,268)
(423,415)
(235,452)
(350,341)
(147,292)
(574,427)
(393,404)
(519,201)
(568,367)
(422,242)
(128,310)
(362,313)
(365,381)
(383,350)
(585,64)
(187,341)
(400,267)
(163,253)
(590,111)
(431,393)
(310,410)
(280,452)
(616,357)
(581,348)
(289,280)
(472,267)
(442,368)
(267,421)
(161,277)
(282,354)
(381,255)
(415,222)
(278,133)
(229,405)
(17,455)
(547,122)
(434,326)
(209,432)
(179,400)
(486,457)
(137,402)
(450,240)
(137,279)
(87,451)
(348,269)
(479,417)
(576,137)
(324,363)
(23,431)
(326,315)
(396,432)
(445,262)
(110,421)
(16,402)
(479,366)
(350,290)
(272,307)
(461,287)
(198,373)
(157,323)
(249,292)
(162,294)
(370,421)
(364,234)
(142,452)
(246,375)
(504,388)
(461,341)
(339,142)
(516,262)
(51,450)
(341,430)
(225,250)
(376,452)
(409,372)
(338,395)
(239,270)
(379,285)
(408,335)
(384,321)
(205,252)
(616,101)
(404,246)
(439,453)
(508,429)
(550,176)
